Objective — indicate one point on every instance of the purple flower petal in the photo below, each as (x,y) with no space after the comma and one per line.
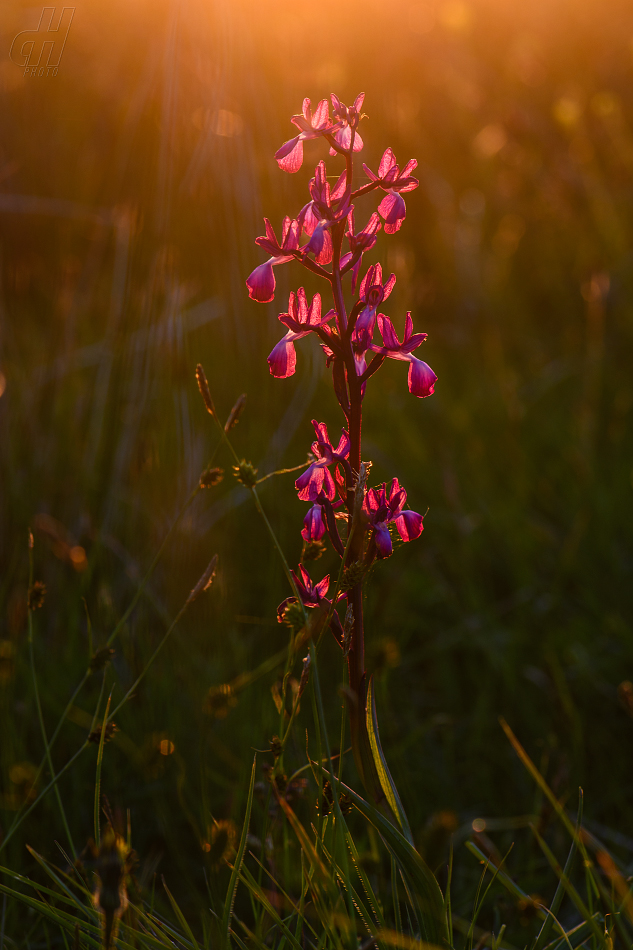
(422,379)
(410,525)
(394,210)
(313,524)
(384,545)
(290,155)
(283,359)
(261,283)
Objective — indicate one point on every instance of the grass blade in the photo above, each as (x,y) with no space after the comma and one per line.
(98,776)
(429,903)
(384,775)
(239,858)
(181,917)
(560,890)
(571,891)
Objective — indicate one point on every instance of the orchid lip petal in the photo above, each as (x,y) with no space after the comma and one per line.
(283,358)
(422,379)
(261,283)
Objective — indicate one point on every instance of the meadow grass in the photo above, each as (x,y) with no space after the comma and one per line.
(134,184)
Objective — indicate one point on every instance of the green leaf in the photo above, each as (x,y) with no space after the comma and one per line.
(327,898)
(384,775)
(427,898)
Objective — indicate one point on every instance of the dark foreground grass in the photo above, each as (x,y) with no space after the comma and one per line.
(133,185)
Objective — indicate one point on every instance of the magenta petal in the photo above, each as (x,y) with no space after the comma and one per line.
(393,210)
(383,540)
(370,174)
(328,487)
(321,114)
(342,449)
(261,283)
(410,525)
(321,588)
(387,162)
(422,379)
(313,524)
(309,483)
(327,250)
(389,335)
(283,359)
(290,155)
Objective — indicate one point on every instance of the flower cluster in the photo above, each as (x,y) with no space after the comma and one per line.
(360,522)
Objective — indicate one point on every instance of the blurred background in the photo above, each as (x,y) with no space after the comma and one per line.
(132,186)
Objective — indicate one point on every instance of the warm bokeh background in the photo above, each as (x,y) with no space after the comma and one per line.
(133,184)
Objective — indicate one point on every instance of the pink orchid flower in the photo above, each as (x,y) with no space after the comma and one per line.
(381,510)
(261,282)
(317,477)
(422,379)
(349,117)
(392,207)
(372,292)
(328,206)
(312,126)
(300,320)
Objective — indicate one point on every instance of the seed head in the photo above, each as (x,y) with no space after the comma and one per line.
(235,413)
(203,386)
(222,845)
(246,473)
(110,729)
(276,747)
(205,581)
(211,477)
(37,593)
(100,659)
(293,615)
(312,550)
(220,699)
(352,575)
(112,863)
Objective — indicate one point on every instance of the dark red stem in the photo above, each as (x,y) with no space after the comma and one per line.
(356,655)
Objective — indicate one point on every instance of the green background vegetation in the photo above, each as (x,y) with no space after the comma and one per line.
(133,185)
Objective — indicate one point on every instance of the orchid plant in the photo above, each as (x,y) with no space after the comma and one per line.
(356,339)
